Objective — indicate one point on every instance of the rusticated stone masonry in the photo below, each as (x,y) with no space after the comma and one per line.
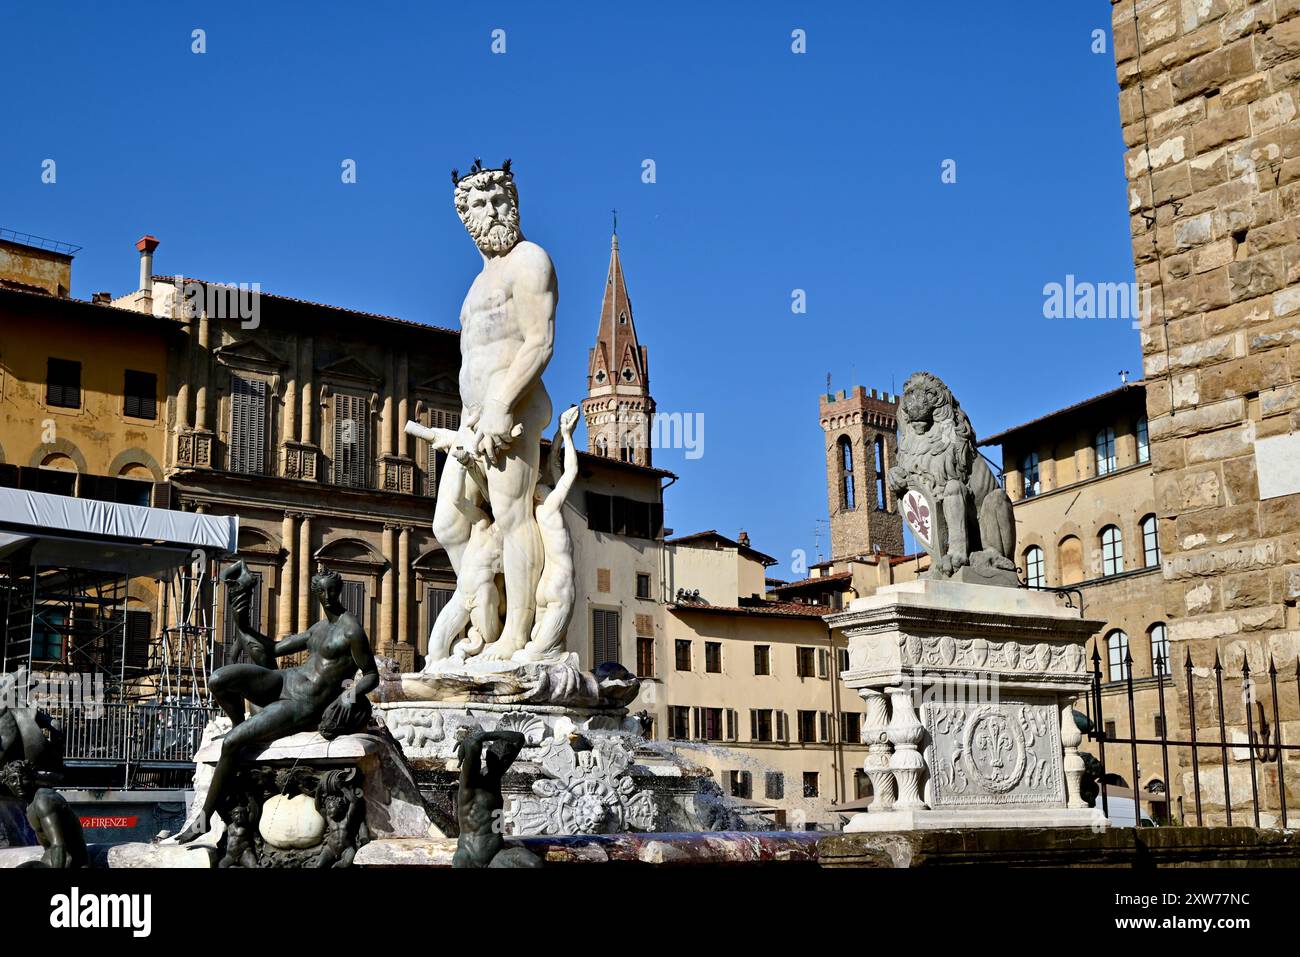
(1210,108)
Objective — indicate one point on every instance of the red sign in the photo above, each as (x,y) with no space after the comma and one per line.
(103,822)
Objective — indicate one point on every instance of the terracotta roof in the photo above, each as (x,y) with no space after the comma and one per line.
(717,537)
(321,305)
(773,609)
(820,580)
(589,458)
(1077,407)
(92,310)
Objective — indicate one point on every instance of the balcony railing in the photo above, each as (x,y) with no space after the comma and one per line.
(132,735)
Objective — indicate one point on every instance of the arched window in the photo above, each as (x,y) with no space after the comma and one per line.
(1070,552)
(627,451)
(1105,446)
(602,446)
(848,496)
(1159,648)
(1150,542)
(882,501)
(1029,469)
(1112,551)
(1117,658)
(1035,570)
(1144,440)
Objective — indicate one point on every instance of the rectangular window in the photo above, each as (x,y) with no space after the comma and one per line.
(807,726)
(682,654)
(810,788)
(679,722)
(604,637)
(247,446)
(1159,725)
(733,720)
(823,663)
(843,655)
(782,725)
(805,662)
(63,383)
(48,628)
(760,724)
(711,724)
(762,659)
(642,585)
(351,440)
(140,395)
(645,657)
(436,599)
(624,516)
(861,785)
(353,597)
(851,727)
(741,783)
(1143,440)
(823,726)
(774,785)
(1110,730)
(1105,448)
(713,657)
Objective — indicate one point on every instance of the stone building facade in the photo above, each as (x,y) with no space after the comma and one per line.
(861,431)
(1082,488)
(1210,110)
(82,391)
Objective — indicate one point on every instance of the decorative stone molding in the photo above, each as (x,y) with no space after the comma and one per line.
(585,792)
(300,460)
(397,474)
(194,449)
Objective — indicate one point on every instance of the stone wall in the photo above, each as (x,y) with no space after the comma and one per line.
(1210,110)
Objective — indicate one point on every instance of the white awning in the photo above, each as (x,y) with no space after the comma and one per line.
(85,533)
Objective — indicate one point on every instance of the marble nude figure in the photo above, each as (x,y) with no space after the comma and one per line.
(496,518)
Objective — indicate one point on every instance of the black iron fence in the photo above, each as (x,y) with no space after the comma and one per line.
(1264,746)
(131,736)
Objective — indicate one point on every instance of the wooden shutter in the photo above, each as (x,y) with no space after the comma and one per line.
(697,722)
(823,726)
(247,445)
(782,726)
(604,637)
(353,597)
(732,733)
(140,394)
(351,440)
(139,636)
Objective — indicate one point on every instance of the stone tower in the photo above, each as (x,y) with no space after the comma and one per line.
(618,408)
(861,442)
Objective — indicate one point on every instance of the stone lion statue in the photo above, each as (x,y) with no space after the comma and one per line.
(937,456)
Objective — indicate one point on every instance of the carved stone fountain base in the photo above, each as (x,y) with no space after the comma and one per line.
(583,770)
(968,691)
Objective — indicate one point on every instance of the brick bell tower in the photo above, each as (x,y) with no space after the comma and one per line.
(861,443)
(618,408)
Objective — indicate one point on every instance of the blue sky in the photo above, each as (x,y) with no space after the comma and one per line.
(775,171)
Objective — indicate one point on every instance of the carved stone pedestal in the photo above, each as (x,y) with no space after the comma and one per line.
(968,691)
(303,801)
(582,771)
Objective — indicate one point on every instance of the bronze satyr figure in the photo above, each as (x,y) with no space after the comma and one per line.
(479,803)
(309,697)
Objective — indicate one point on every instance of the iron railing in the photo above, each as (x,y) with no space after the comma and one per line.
(1261,752)
(132,735)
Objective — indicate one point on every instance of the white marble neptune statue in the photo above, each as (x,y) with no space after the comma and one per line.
(488,509)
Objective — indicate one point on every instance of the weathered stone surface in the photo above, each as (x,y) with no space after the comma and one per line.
(1115,847)
(136,856)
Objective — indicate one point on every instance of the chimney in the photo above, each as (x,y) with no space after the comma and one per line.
(743,538)
(146,245)
(102,298)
